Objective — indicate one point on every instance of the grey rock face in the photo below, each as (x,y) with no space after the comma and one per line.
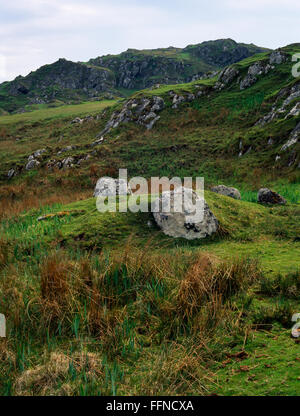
(178,224)
(32,164)
(228,75)
(247,82)
(141,111)
(277,58)
(63,75)
(229,51)
(227,191)
(136,71)
(36,155)
(294,112)
(254,71)
(293,139)
(266,196)
(291,94)
(111,187)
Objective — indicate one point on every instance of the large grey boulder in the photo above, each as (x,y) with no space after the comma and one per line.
(111,187)
(227,191)
(181,224)
(266,196)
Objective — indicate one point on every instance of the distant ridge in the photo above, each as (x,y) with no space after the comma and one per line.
(117,75)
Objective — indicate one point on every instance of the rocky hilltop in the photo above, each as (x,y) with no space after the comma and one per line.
(256,101)
(131,70)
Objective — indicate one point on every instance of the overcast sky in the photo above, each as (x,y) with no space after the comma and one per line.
(36,32)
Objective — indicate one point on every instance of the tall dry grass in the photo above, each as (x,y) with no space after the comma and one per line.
(129,303)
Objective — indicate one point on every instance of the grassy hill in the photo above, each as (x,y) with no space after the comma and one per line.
(107,77)
(106,303)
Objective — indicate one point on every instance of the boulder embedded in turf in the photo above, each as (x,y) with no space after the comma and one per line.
(227,191)
(266,196)
(182,224)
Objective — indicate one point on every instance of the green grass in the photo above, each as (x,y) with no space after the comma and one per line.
(103,304)
(271,368)
(90,107)
(247,228)
(148,346)
(291,192)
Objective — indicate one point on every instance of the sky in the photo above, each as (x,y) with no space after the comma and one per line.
(37,32)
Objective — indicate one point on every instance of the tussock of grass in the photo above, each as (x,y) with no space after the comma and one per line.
(126,301)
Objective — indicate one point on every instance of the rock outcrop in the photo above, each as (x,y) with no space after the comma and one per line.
(226,77)
(289,94)
(254,71)
(143,111)
(293,139)
(277,58)
(33,163)
(222,52)
(53,81)
(227,191)
(106,77)
(268,197)
(178,224)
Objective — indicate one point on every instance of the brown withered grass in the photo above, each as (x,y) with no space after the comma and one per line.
(44,379)
(19,198)
(118,302)
(209,281)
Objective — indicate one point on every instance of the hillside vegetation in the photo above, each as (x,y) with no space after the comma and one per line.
(106,304)
(118,75)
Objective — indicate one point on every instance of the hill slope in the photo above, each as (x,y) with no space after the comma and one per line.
(66,81)
(245,119)
(106,304)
